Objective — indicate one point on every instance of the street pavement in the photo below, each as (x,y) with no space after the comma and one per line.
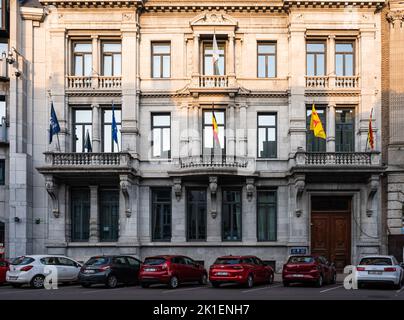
(275,291)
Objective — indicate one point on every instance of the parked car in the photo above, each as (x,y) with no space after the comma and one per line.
(3,270)
(31,270)
(380,269)
(308,269)
(171,270)
(110,271)
(246,270)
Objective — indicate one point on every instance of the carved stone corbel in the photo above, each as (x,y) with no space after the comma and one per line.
(250,188)
(373,185)
(126,185)
(213,190)
(299,187)
(177,188)
(52,189)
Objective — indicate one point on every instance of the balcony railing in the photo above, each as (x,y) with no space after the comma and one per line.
(90,159)
(213,81)
(332,82)
(93,82)
(337,158)
(214,162)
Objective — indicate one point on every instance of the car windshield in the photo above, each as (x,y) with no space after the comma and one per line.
(301,260)
(154,261)
(21,261)
(376,261)
(97,261)
(227,261)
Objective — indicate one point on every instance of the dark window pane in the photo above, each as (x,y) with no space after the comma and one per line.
(109,215)
(315,144)
(2,171)
(344,130)
(231,216)
(161,215)
(82,124)
(80,214)
(196,215)
(161,135)
(266,219)
(267,144)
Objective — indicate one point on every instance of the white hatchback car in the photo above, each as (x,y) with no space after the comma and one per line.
(380,269)
(31,270)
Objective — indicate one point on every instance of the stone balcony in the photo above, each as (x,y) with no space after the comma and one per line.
(91,163)
(332,82)
(226,165)
(346,161)
(213,83)
(77,83)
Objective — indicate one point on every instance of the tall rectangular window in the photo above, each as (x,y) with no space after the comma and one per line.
(3,119)
(196,214)
(344,130)
(108,144)
(2,172)
(82,59)
(80,214)
(208,67)
(344,59)
(161,135)
(161,214)
(266,215)
(161,60)
(111,59)
(315,144)
(315,58)
(266,60)
(82,122)
(109,214)
(231,215)
(267,146)
(210,145)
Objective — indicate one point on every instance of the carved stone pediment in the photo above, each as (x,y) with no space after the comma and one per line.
(213,19)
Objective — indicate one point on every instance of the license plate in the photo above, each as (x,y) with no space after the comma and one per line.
(298,275)
(89,271)
(12,278)
(150,269)
(222,273)
(375,272)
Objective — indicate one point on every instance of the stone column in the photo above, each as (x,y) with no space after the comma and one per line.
(96,131)
(94,236)
(95,53)
(331,60)
(231,141)
(196,136)
(195,57)
(330,128)
(231,70)
(242,148)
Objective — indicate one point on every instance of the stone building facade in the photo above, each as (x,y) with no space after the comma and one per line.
(268,187)
(393,115)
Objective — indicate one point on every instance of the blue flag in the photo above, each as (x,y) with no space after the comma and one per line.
(114,126)
(54,127)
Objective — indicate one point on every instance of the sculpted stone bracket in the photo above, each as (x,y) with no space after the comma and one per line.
(177,188)
(250,188)
(52,189)
(126,187)
(299,187)
(213,190)
(373,185)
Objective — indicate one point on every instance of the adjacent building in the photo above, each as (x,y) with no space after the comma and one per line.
(264,186)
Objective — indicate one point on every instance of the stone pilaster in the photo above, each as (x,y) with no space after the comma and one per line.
(96,134)
(330,128)
(94,224)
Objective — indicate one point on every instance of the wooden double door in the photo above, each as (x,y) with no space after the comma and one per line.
(331,236)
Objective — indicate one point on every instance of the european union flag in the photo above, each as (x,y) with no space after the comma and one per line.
(54,127)
(114,127)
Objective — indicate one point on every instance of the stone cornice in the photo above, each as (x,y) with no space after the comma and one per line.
(34,14)
(94,3)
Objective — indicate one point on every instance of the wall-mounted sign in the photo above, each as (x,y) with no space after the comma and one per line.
(298,250)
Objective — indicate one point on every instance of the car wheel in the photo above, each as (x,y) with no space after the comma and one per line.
(203,280)
(112,281)
(37,282)
(174,283)
(144,285)
(271,278)
(215,284)
(286,284)
(319,282)
(250,281)
(86,285)
(334,278)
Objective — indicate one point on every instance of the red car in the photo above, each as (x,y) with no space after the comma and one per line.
(171,270)
(3,270)
(245,270)
(308,269)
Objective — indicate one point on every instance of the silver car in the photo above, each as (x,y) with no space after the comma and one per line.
(380,269)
